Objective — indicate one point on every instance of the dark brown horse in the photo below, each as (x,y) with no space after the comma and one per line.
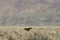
(27,29)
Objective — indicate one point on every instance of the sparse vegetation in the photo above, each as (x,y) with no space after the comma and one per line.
(18,33)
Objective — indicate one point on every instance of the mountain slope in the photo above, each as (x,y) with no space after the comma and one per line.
(29,12)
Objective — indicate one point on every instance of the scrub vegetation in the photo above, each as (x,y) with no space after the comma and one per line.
(35,33)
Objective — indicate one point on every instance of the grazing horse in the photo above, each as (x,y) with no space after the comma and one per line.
(27,29)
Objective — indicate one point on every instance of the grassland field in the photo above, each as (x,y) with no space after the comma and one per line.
(35,33)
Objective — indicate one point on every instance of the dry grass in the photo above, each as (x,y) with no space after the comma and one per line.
(36,33)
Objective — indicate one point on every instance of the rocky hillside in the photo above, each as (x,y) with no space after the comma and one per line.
(29,12)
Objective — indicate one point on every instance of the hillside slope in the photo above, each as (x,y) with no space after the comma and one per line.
(29,12)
